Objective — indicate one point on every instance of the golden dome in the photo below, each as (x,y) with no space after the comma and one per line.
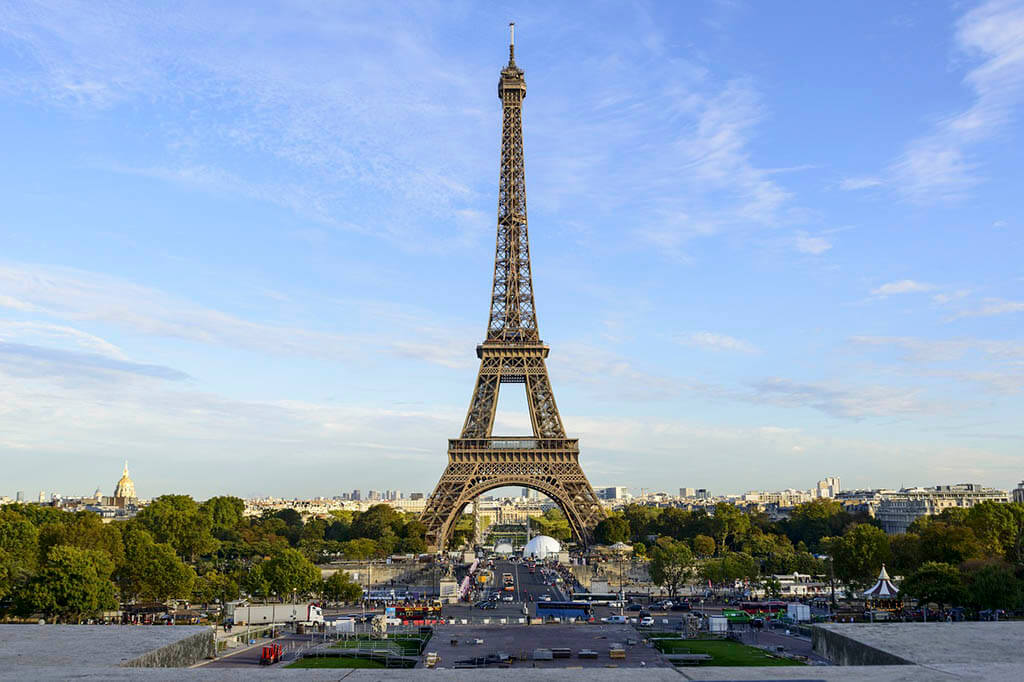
(125,487)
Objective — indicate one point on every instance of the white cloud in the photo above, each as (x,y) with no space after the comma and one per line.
(717,342)
(853,184)
(903,286)
(818,245)
(939,165)
(943,299)
(844,401)
(993,306)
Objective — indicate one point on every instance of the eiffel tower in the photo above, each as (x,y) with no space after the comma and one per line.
(513,353)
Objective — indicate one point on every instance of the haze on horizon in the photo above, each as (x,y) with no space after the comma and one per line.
(250,249)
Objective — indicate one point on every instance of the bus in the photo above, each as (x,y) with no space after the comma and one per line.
(768,609)
(508,582)
(423,611)
(564,610)
(736,615)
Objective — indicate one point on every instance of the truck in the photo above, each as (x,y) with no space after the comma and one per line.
(800,613)
(260,614)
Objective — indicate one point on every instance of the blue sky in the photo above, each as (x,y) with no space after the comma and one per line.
(250,249)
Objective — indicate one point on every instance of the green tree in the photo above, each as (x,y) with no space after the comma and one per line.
(728,523)
(772,587)
(378,521)
(19,542)
(906,553)
(858,556)
(225,511)
(340,587)
(671,564)
(84,530)
(611,530)
(360,549)
(704,546)
(215,587)
(814,520)
(994,586)
(947,543)
(178,521)
(935,582)
(288,572)
(73,584)
(153,570)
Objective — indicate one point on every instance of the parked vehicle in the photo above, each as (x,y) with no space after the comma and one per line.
(634,607)
(616,620)
(646,622)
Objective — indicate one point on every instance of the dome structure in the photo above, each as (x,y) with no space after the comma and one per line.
(504,548)
(541,547)
(125,489)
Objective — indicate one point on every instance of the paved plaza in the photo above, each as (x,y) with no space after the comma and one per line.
(520,642)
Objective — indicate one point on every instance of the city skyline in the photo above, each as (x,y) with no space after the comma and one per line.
(234,266)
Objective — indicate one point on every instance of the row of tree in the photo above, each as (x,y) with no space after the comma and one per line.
(971,556)
(73,566)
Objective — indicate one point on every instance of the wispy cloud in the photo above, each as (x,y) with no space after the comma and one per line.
(853,184)
(903,286)
(939,165)
(717,342)
(814,245)
(844,401)
(992,306)
(34,361)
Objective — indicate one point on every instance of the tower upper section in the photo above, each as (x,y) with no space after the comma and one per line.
(513,317)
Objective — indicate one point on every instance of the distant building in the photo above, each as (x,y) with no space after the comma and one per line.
(356,495)
(1018,493)
(19,496)
(415,496)
(828,487)
(615,492)
(702,494)
(124,491)
(687,492)
(896,511)
(42,496)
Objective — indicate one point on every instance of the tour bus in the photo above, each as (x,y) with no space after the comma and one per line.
(764,608)
(508,581)
(421,611)
(564,610)
(736,615)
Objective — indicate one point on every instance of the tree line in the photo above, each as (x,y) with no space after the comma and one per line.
(963,556)
(72,566)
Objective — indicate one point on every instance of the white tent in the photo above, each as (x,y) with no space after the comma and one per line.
(541,546)
(504,548)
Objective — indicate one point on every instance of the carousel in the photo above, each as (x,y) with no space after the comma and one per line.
(882,599)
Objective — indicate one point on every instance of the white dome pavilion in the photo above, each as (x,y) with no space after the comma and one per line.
(541,547)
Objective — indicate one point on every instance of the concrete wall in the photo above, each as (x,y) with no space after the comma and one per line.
(843,650)
(180,654)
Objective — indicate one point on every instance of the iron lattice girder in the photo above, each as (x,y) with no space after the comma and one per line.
(513,353)
(475,466)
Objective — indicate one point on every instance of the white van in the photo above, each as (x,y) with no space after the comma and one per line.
(616,620)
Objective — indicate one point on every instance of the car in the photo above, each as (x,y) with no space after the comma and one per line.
(615,620)
(646,622)
(508,597)
(665,605)
(634,607)
(681,606)
(545,597)
(644,614)
(615,605)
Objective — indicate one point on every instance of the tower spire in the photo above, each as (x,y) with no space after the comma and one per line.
(511,43)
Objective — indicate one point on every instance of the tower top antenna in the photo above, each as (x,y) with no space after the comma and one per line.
(511,42)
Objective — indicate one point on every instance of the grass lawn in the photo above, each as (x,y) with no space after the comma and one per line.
(411,645)
(722,652)
(335,662)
